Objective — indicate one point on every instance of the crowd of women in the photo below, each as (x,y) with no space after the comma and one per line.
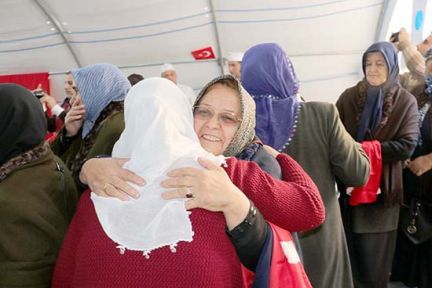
(237,191)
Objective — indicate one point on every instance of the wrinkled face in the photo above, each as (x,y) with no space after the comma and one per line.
(234,68)
(425,45)
(170,75)
(376,69)
(69,86)
(216,133)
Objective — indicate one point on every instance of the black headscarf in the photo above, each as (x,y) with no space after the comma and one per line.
(372,111)
(23,125)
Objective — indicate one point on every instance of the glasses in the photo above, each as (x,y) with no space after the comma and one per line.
(207,113)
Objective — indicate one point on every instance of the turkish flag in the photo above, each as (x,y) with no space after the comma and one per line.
(204,53)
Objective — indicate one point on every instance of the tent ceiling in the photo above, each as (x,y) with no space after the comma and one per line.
(324,39)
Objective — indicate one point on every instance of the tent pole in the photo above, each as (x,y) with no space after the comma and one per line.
(218,42)
(57,24)
(387,9)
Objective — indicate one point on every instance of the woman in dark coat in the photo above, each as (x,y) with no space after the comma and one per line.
(37,193)
(378,108)
(413,263)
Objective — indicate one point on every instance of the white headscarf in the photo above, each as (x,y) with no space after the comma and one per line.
(158,137)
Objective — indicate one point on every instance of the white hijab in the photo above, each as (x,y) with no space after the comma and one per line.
(158,137)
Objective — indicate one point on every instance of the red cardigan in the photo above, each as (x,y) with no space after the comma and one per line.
(89,258)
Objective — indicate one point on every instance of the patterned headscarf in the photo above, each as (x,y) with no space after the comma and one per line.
(99,85)
(372,111)
(23,125)
(268,74)
(246,132)
(428,75)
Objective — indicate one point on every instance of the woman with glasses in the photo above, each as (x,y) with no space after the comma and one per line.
(161,132)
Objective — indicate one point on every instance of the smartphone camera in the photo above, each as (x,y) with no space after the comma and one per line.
(394,38)
(38,93)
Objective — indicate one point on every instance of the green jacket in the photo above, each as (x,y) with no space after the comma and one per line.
(37,201)
(108,133)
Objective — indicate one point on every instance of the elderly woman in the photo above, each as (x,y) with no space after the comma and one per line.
(412,264)
(95,120)
(378,108)
(314,136)
(209,260)
(37,193)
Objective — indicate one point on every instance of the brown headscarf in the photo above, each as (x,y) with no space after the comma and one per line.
(246,131)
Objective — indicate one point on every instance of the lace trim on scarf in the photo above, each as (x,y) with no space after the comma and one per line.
(293,131)
(387,104)
(90,138)
(29,156)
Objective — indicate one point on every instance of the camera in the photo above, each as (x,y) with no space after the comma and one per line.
(394,38)
(38,93)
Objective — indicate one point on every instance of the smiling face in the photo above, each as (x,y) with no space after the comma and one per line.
(376,69)
(215,135)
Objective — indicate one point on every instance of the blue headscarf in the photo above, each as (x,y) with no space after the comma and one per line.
(268,75)
(372,111)
(99,85)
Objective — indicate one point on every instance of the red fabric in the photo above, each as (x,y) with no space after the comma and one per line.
(368,193)
(89,258)
(282,273)
(247,277)
(31,82)
(204,53)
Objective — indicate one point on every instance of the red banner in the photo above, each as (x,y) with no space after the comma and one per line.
(29,81)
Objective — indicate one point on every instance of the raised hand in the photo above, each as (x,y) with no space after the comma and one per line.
(75,118)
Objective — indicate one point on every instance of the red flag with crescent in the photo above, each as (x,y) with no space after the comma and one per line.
(204,53)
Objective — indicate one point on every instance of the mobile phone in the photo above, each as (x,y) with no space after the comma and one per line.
(394,37)
(38,93)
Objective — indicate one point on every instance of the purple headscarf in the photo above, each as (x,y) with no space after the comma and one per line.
(268,75)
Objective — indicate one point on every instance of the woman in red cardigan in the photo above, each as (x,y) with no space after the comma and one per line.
(89,258)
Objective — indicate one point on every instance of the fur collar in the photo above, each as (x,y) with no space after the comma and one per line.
(25,158)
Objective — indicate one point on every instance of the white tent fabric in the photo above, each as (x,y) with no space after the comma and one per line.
(325,39)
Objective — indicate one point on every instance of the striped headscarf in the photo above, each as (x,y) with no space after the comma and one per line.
(245,134)
(428,74)
(99,85)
